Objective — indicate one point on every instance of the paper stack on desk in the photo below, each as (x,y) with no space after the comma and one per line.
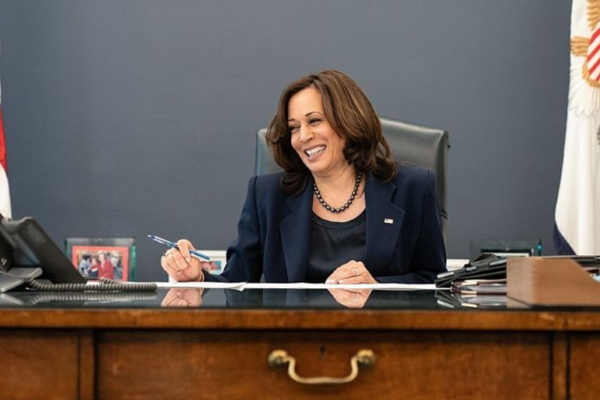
(478,293)
(479,287)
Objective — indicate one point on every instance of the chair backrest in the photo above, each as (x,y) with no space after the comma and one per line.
(409,143)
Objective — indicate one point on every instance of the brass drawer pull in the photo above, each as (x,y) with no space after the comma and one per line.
(279,358)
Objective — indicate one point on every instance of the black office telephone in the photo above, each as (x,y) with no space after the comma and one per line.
(32,248)
(27,253)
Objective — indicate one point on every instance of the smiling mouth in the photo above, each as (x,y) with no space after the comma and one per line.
(315,151)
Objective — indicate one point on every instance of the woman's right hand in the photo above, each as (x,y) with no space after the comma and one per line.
(183,298)
(180,265)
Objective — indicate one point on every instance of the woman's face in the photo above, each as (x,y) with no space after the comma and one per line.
(318,145)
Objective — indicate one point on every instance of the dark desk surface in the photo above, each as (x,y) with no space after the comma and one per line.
(221,299)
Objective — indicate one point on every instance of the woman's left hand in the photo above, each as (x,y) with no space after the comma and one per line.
(351,273)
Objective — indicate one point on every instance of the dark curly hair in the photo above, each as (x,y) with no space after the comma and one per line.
(350,114)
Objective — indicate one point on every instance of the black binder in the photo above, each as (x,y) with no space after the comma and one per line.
(486,266)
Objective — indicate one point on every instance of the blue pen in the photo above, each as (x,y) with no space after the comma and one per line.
(172,245)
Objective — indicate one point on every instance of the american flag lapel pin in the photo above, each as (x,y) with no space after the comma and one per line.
(388,221)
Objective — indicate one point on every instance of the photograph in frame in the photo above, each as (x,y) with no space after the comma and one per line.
(96,258)
(218,259)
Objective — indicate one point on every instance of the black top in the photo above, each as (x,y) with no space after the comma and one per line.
(333,244)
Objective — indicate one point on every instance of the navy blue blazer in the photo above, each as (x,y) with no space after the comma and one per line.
(274,231)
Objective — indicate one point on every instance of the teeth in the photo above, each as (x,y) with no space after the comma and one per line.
(315,150)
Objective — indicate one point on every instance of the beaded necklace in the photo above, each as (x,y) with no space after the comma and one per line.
(346,205)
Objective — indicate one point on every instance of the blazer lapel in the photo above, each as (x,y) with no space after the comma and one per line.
(384,221)
(295,235)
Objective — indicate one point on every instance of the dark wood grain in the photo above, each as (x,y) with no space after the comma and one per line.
(560,367)
(228,365)
(38,365)
(584,368)
(87,365)
(300,319)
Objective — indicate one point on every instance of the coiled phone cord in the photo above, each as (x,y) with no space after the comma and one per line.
(35,297)
(104,285)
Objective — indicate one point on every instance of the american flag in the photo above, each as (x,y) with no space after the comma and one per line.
(577,217)
(5,208)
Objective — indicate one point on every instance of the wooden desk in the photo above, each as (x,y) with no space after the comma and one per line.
(424,351)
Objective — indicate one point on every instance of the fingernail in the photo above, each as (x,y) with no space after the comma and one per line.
(341,281)
(178,272)
(188,259)
(330,281)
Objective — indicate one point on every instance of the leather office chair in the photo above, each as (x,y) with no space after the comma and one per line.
(409,143)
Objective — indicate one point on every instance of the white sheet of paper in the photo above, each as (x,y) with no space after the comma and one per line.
(201,285)
(301,285)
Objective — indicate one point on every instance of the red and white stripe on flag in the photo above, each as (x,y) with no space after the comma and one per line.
(593,55)
(5,208)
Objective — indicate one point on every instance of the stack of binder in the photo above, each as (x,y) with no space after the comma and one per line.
(478,293)
(479,284)
(486,266)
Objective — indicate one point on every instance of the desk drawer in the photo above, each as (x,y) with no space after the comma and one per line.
(233,365)
(39,364)
(584,368)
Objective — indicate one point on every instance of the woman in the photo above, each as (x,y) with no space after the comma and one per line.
(106,269)
(342,212)
(94,267)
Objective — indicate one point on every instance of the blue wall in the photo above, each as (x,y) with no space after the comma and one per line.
(129,117)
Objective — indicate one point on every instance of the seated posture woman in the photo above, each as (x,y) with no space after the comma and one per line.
(341,212)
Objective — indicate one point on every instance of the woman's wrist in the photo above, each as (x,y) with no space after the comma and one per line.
(200,277)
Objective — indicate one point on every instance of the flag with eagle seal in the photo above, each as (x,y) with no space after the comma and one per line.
(577,216)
